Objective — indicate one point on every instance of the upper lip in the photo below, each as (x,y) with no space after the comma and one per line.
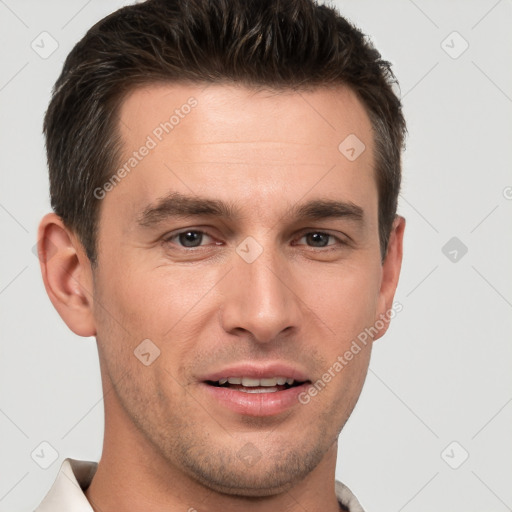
(257,371)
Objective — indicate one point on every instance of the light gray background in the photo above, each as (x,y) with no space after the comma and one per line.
(441,374)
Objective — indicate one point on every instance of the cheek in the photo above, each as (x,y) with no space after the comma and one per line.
(344,297)
(154,302)
(169,306)
(133,350)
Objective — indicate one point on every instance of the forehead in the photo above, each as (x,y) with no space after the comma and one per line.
(258,145)
(320,117)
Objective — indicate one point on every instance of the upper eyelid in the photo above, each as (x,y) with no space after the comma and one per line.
(326,231)
(172,234)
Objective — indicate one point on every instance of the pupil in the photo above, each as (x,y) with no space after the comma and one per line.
(190,238)
(318,239)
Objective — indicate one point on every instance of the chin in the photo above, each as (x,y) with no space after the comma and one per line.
(249,485)
(271,475)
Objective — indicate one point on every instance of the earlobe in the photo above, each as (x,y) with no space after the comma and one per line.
(66,274)
(390,273)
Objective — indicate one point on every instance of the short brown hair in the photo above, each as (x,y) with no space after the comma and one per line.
(285,44)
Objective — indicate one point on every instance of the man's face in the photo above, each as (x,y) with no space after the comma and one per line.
(274,276)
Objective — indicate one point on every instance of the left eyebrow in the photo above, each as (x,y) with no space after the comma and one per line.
(325,209)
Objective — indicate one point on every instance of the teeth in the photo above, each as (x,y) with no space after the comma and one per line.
(253,383)
(259,390)
(250,383)
(272,381)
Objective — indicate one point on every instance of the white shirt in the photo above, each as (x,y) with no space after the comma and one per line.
(67,492)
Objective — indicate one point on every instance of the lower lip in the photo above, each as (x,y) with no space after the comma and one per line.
(256,404)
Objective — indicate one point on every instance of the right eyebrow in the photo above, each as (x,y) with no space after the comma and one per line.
(176,204)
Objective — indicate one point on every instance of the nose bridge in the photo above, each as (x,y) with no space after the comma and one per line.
(258,298)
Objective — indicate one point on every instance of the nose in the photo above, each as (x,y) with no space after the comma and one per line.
(259,298)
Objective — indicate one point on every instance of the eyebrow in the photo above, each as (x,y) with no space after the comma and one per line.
(327,208)
(180,205)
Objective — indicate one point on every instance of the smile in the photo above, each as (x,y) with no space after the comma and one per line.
(253,385)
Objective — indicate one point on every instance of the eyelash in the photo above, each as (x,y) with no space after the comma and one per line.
(176,235)
(168,240)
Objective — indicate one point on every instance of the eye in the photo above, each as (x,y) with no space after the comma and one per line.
(319,239)
(190,238)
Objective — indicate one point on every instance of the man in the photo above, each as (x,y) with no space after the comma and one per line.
(224,177)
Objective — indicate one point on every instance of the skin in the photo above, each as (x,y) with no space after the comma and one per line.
(168,445)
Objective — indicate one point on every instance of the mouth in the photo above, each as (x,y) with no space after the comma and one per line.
(256,390)
(253,385)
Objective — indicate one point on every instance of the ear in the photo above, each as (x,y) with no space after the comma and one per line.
(67,274)
(390,273)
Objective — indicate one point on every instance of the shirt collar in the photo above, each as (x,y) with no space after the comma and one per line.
(67,492)
(75,476)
